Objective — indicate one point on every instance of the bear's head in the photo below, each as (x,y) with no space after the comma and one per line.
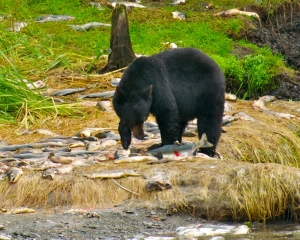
(132,107)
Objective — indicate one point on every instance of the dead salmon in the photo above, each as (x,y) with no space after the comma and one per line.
(177,150)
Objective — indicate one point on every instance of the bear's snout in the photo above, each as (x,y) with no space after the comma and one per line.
(138,132)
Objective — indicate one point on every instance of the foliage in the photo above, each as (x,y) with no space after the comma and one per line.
(259,74)
(231,67)
(42,47)
(18,102)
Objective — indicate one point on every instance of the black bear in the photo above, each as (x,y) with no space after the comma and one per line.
(176,86)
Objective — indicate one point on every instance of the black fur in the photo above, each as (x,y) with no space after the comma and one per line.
(176,86)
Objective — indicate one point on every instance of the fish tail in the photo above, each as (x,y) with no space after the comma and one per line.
(204,143)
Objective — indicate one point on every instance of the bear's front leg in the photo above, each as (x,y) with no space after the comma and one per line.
(125,134)
(169,132)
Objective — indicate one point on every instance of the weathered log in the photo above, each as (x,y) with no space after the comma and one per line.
(122,53)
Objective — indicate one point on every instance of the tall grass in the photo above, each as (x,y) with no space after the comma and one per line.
(41,47)
(20,104)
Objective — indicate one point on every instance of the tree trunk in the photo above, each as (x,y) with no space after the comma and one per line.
(121,49)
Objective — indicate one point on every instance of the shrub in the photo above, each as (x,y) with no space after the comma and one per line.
(258,75)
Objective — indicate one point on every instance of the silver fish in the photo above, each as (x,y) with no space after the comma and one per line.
(179,15)
(86,132)
(115,173)
(17,26)
(150,124)
(49,173)
(228,107)
(176,150)
(37,84)
(95,4)
(244,116)
(135,159)
(177,2)
(13,174)
(89,26)
(67,91)
(115,82)
(105,106)
(108,135)
(42,131)
(14,147)
(127,4)
(230,96)
(106,94)
(228,119)
(53,18)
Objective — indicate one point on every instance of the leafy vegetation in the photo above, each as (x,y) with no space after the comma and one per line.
(42,47)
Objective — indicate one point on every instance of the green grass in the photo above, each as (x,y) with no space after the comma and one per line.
(41,47)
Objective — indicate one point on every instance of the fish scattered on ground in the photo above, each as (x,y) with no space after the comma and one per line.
(177,2)
(53,18)
(61,159)
(17,26)
(116,173)
(13,174)
(173,46)
(2,235)
(35,85)
(127,4)
(260,104)
(122,153)
(21,210)
(49,173)
(64,169)
(107,143)
(179,15)
(95,4)
(107,94)
(177,150)
(105,106)
(39,131)
(157,185)
(134,159)
(228,107)
(170,45)
(228,119)
(234,12)
(150,124)
(108,135)
(115,82)
(230,96)
(281,115)
(89,26)
(92,146)
(67,91)
(88,103)
(244,116)
(86,132)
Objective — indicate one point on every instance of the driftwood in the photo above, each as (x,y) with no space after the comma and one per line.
(122,53)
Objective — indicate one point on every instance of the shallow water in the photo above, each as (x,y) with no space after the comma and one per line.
(278,231)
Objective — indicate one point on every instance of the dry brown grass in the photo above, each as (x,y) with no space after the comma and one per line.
(234,188)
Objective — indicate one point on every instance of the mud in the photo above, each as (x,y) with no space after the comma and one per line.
(117,223)
(279,29)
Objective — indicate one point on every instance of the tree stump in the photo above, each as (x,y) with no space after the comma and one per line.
(122,53)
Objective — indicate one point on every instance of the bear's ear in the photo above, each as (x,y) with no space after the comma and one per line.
(147,92)
(119,94)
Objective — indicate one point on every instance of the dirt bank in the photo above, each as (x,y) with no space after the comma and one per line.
(279,29)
